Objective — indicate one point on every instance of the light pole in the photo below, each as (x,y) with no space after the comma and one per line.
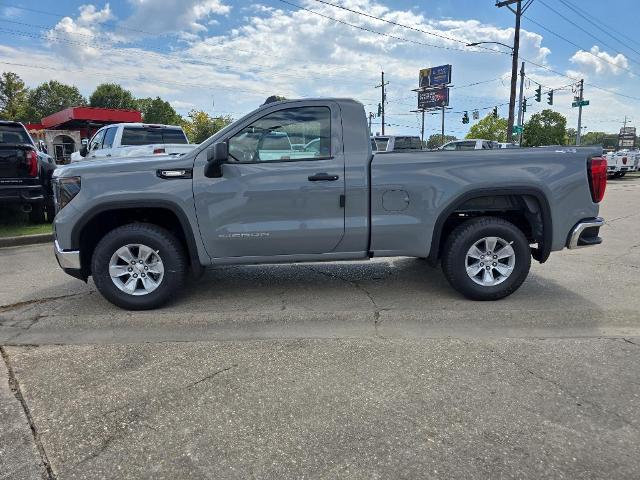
(512,97)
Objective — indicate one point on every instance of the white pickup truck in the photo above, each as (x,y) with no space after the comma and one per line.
(621,162)
(134,140)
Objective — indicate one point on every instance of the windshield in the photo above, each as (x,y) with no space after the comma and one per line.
(13,134)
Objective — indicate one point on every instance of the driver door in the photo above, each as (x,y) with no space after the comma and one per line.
(274,199)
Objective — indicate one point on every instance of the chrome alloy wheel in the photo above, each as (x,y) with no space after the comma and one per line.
(136,269)
(490,261)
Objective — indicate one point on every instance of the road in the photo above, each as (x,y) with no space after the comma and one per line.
(340,370)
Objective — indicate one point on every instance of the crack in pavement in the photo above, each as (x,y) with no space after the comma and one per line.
(579,400)
(377,310)
(14,385)
(13,306)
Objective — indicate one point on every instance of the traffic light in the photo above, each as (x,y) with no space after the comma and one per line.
(550,97)
(465,118)
(495,112)
(539,93)
(379,109)
(524,106)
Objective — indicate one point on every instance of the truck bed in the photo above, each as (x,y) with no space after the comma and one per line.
(410,190)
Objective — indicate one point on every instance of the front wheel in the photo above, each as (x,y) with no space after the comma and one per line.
(139,266)
(486,258)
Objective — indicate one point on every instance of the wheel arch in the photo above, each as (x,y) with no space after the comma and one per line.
(533,205)
(105,217)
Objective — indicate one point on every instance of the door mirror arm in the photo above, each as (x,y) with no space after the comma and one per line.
(217,154)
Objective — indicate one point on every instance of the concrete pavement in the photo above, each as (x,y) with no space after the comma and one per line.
(340,370)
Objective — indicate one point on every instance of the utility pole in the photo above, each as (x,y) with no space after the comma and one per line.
(581,95)
(520,111)
(442,133)
(519,10)
(422,132)
(383,98)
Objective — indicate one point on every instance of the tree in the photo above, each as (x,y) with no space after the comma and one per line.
(51,97)
(435,140)
(13,96)
(545,128)
(489,128)
(274,98)
(570,137)
(200,125)
(112,95)
(156,110)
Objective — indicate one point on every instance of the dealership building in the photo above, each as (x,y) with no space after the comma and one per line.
(61,133)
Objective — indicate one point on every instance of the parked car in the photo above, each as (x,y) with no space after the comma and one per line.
(25,173)
(134,140)
(620,163)
(137,225)
(470,144)
(394,143)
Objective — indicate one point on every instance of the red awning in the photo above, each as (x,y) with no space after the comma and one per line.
(75,117)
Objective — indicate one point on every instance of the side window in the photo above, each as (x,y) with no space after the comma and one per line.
(109,136)
(291,134)
(449,146)
(467,145)
(96,141)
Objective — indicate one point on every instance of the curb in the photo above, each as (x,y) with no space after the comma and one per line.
(26,240)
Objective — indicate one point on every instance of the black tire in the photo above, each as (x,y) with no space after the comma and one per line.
(36,215)
(458,243)
(168,249)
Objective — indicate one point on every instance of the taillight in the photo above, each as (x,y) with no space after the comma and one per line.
(597,178)
(157,151)
(32,164)
(624,160)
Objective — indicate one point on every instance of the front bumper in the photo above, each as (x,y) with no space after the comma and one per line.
(585,233)
(67,259)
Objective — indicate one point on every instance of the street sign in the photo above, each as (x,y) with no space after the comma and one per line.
(433,98)
(517,129)
(582,103)
(434,76)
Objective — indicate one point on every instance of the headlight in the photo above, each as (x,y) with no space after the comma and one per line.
(64,189)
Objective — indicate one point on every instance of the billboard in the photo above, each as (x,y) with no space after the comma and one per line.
(627,137)
(435,98)
(434,76)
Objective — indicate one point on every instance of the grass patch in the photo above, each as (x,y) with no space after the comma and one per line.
(14,223)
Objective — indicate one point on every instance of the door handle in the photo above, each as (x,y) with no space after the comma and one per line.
(319,177)
(108,155)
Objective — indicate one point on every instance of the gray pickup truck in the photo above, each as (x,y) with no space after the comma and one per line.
(246,196)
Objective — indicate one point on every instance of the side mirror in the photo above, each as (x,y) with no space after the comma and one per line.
(83,151)
(217,154)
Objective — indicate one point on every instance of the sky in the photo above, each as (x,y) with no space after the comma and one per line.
(227,56)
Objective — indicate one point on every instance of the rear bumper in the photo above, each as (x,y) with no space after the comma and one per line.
(23,194)
(67,259)
(585,233)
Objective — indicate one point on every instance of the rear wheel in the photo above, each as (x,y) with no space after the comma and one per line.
(139,266)
(486,258)
(36,215)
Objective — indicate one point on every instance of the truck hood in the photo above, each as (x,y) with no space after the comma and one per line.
(124,164)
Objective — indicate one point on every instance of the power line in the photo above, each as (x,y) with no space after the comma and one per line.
(578,46)
(154,51)
(580,28)
(391,22)
(585,15)
(359,27)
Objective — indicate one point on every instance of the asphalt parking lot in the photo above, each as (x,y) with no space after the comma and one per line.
(340,370)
